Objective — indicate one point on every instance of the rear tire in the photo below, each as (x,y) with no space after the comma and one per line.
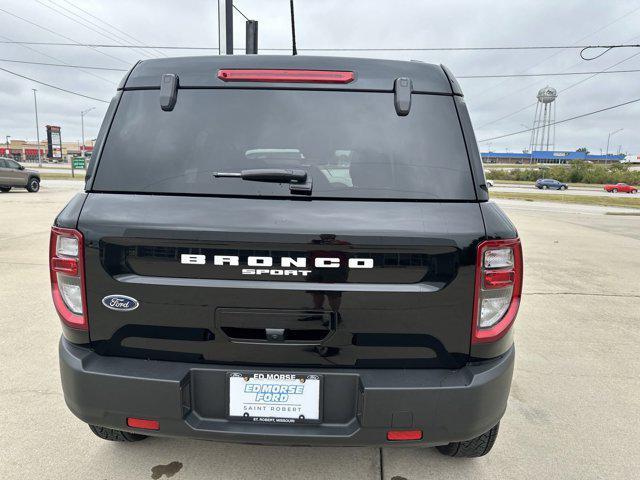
(614,190)
(116,435)
(5,189)
(544,187)
(634,191)
(563,187)
(476,447)
(33,185)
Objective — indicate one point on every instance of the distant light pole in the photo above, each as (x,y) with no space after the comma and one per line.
(35,102)
(82,114)
(608,139)
(7,137)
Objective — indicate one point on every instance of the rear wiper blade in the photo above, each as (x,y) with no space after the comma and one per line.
(300,182)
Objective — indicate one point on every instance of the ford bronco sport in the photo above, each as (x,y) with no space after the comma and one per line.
(287,250)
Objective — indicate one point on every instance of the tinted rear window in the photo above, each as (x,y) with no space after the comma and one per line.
(352,144)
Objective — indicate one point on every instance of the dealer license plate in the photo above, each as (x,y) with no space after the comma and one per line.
(274,397)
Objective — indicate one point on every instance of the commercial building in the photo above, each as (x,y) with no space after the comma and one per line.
(27,151)
(547,157)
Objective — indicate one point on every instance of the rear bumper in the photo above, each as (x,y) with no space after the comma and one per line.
(359,406)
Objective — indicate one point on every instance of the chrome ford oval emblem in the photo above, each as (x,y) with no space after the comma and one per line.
(121,303)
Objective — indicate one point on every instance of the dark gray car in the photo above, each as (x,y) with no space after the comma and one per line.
(550,183)
(12,174)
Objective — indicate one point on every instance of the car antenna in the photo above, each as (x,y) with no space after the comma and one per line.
(293,30)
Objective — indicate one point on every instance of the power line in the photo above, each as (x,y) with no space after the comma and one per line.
(58,60)
(81,21)
(53,86)
(548,74)
(559,91)
(8,60)
(240,12)
(461,49)
(113,27)
(60,35)
(416,49)
(563,121)
(493,88)
(504,75)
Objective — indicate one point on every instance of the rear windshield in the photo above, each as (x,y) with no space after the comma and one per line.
(352,144)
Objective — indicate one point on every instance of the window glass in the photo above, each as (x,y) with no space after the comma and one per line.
(352,144)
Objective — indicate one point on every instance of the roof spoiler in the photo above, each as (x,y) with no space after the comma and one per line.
(455,86)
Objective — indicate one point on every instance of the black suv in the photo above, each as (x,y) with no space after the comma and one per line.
(287,250)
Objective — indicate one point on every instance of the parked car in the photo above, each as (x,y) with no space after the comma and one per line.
(545,183)
(620,187)
(237,297)
(14,175)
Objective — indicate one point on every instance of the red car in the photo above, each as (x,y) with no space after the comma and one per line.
(620,187)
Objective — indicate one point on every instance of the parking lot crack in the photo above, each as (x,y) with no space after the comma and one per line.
(587,294)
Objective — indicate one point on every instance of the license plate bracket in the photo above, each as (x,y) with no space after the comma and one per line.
(277,398)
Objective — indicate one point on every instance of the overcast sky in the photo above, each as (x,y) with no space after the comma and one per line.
(356,24)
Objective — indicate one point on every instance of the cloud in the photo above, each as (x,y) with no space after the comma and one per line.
(356,23)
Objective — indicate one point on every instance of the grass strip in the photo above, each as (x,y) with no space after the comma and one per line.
(631,202)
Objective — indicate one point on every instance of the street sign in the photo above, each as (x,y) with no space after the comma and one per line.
(54,143)
(78,162)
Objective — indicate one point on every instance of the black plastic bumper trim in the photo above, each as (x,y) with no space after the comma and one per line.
(360,405)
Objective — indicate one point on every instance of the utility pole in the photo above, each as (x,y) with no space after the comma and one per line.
(35,102)
(251,43)
(225,27)
(82,114)
(293,30)
(7,151)
(608,139)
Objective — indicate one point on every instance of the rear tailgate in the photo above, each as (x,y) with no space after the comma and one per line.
(401,295)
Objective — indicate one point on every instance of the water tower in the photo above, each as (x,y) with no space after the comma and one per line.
(543,135)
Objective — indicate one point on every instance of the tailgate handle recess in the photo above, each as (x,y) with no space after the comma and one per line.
(275,334)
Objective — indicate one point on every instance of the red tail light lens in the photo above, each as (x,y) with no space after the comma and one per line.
(292,76)
(498,289)
(499,278)
(66,268)
(142,423)
(404,435)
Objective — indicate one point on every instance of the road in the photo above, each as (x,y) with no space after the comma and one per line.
(573,409)
(590,191)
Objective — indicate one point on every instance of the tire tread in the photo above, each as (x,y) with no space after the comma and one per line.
(114,435)
(476,447)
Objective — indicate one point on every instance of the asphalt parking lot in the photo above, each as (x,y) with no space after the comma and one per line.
(573,411)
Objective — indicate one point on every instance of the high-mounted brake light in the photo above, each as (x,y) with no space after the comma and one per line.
(498,289)
(66,268)
(291,76)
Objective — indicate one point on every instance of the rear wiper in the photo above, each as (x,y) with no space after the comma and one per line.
(300,182)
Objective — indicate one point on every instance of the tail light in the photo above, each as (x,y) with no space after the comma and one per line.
(66,266)
(498,289)
(291,76)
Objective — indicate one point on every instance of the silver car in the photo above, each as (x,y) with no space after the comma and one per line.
(12,174)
